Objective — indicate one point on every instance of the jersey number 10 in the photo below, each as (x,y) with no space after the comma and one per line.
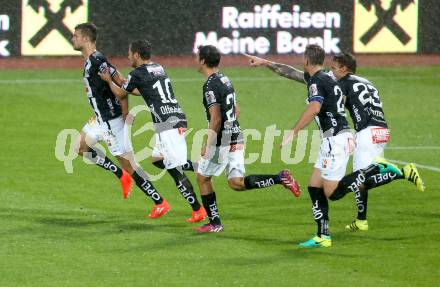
(168,97)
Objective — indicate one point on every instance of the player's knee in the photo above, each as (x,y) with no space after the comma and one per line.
(236,184)
(337,194)
(125,164)
(202,180)
(81,148)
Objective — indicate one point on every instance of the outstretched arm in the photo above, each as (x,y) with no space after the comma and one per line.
(281,69)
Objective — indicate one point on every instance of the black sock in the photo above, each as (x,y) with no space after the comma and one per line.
(352,182)
(98,158)
(159,164)
(185,187)
(189,165)
(320,209)
(381,179)
(210,204)
(361,198)
(146,186)
(261,180)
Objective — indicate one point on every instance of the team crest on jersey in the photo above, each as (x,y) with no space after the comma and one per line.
(313,90)
(210,97)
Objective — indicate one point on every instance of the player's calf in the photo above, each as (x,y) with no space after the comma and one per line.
(141,180)
(255,181)
(354,182)
(188,166)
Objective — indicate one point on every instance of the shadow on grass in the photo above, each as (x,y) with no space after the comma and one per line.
(83,223)
(251,238)
(70,222)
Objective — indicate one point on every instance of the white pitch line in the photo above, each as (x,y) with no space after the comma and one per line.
(181,80)
(433,168)
(176,80)
(40,81)
(412,147)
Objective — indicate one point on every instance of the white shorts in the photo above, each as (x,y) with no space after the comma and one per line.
(333,156)
(112,132)
(171,145)
(228,158)
(370,143)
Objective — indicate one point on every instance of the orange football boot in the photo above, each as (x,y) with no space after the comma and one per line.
(197,215)
(126,183)
(159,209)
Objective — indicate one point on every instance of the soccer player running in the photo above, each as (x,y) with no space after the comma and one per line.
(325,104)
(372,133)
(108,123)
(150,80)
(223,147)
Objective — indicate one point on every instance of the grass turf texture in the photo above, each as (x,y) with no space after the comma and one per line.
(60,229)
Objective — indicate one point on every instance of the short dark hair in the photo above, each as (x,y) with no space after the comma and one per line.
(315,54)
(346,60)
(88,29)
(210,55)
(142,47)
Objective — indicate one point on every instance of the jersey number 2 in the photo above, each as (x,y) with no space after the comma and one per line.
(230,100)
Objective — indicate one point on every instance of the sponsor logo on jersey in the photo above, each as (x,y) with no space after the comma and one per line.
(156,70)
(380,135)
(385,26)
(47,26)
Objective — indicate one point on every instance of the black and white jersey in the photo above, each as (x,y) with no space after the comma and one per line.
(155,87)
(324,89)
(104,104)
(218,90)
(362,102)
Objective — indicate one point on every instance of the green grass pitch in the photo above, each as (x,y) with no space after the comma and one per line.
(60,229)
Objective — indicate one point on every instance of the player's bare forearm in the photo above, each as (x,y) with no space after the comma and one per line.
(287,71)
(136,92)
(116,90)
(118,79)
(281,69)
(120,93)
(124,107)
(214,126)
(307,116)
(213,130)
(237,110)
